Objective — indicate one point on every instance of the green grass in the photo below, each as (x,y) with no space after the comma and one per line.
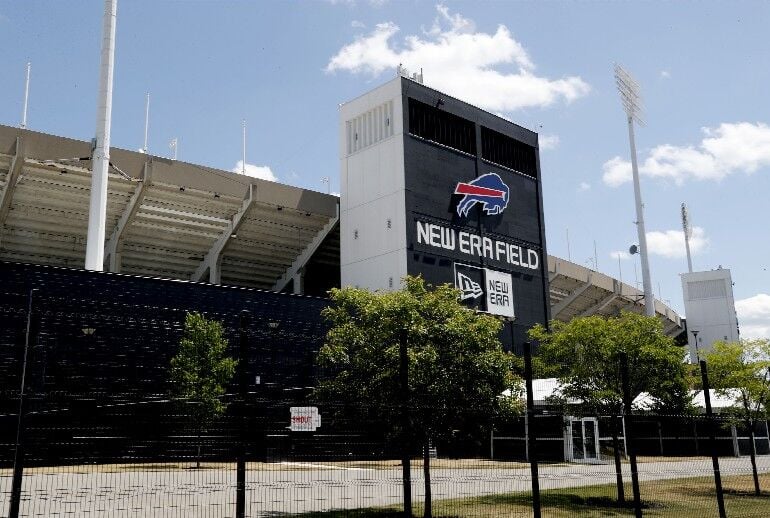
(681,498)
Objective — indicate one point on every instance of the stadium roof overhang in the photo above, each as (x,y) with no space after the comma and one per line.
(165,218)
(173,219)
(578,291)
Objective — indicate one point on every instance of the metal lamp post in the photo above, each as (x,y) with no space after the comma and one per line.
(697,350)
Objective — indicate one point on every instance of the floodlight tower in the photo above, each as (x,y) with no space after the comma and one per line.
(100,161)
(629,95)
(687,235)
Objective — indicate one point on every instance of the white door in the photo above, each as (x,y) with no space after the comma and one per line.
(582,438)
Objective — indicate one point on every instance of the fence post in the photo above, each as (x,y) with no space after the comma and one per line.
(532,435)
(406,465)
(616,454)
(630,434)
(18,456)
(243,387)
(714,457)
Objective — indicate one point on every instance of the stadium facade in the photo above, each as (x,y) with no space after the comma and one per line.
(430,185)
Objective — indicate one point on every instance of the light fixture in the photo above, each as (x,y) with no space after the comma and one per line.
(88,331)
(273,325)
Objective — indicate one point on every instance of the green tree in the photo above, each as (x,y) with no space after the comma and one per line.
(455,364)
(201,371)
(584,354)
(741,370)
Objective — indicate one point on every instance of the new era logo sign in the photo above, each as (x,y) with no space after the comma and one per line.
(469,289)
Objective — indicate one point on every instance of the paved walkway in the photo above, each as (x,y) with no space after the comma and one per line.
(302,487)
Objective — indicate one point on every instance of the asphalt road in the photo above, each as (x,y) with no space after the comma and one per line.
(82,492)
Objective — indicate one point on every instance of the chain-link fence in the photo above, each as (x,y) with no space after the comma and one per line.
(88,428)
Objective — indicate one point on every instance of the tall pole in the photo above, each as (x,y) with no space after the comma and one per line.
(100,161)
(628,434)
(18,456)
(406,439)
(712,438)
(243,162)
(146,120)
(531,431)
(629,94)
(649,301)
(243,388)
(23,124)
(687,234)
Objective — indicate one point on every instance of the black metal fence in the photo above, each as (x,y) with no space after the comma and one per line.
(92,440)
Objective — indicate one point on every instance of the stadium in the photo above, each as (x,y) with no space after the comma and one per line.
(430,186)
(185,237)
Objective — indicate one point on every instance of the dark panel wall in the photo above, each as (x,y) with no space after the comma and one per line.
(137,325)
(104,397)
(432,172)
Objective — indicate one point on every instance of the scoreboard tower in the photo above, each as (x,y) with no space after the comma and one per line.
(434,186)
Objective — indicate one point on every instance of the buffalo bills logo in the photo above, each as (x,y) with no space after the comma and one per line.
(488,190)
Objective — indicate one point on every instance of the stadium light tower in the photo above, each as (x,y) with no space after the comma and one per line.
(687,227)
(629,95)
(100,161)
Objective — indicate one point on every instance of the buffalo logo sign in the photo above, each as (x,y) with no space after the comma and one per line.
(489,190)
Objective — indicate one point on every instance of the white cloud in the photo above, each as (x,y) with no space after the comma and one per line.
(665,74)
(616,171)
(620,254)
(727,149)
(670,243)
(457,59)
(754,316)
(583,187)
(547,142)
(357,24)
(257,171)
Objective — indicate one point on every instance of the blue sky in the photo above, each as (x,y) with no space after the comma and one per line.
(285,66)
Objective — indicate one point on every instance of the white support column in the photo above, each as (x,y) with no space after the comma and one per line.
(561,306)
(212,261)
(97,211)
(114,247)
(300,262)
(14,171)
